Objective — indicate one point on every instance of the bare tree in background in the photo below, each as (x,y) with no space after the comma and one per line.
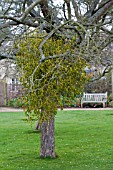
(89,21)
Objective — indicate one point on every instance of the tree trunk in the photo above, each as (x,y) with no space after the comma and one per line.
(47,139)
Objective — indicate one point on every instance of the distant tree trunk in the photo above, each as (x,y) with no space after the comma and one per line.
(47,139)
(38,126)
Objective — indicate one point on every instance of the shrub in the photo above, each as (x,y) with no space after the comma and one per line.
(111,103)
(68,102)
(77,102)
(16,102)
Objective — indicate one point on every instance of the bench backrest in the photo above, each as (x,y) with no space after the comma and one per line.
(94,97)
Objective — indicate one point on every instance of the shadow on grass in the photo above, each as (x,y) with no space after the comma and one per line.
(111,114)
(32,131)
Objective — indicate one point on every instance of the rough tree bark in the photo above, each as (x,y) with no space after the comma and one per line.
(47,139)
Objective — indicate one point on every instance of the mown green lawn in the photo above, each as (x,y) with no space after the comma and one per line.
(84,141)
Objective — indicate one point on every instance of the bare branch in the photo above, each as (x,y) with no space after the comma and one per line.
(100,12)
(75,6)
(27,11)
(68,8)
(47,37)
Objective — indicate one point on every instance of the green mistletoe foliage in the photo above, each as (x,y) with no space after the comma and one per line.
(46,81)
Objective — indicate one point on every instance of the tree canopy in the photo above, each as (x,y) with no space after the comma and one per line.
(45,82)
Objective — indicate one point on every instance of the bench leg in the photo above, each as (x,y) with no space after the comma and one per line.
(104,105)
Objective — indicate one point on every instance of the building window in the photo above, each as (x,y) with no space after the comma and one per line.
(14,84)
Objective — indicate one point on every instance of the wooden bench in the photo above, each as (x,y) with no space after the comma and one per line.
(94,98)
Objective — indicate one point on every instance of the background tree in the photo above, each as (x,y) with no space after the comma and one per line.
(90,22)
(87,23)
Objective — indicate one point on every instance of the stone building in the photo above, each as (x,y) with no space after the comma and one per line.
(10,86)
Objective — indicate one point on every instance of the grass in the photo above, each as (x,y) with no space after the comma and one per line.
(84,141)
